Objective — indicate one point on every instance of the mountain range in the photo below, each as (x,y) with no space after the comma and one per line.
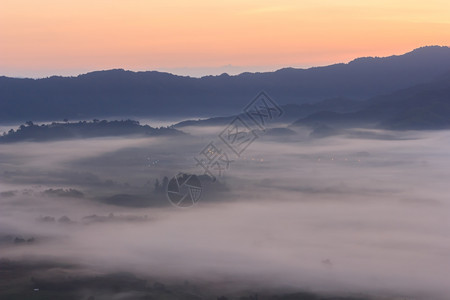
(126,94)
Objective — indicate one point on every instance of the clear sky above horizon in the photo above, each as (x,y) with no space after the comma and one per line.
(198,37)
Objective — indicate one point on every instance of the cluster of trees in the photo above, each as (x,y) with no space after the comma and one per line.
(161,187)
(82,129)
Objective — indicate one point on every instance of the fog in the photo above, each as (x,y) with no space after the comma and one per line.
(364,212)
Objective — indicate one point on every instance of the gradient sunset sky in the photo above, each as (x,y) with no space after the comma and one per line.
(41,38)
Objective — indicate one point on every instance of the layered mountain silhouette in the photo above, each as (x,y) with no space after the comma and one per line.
(421,107)
(119,93)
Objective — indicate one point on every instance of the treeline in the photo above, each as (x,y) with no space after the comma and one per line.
(82,129)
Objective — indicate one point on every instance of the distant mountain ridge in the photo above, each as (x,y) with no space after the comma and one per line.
(421,107)
(119,93)
(291,112)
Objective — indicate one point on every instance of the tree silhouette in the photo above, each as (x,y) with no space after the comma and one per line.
(158,187)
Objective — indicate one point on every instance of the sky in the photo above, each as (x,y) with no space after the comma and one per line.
(198,37)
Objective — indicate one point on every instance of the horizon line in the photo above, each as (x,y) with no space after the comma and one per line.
(264,69)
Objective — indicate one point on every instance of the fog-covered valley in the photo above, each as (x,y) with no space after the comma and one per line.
(362,214)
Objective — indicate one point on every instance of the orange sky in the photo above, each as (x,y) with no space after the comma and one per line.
(39,38)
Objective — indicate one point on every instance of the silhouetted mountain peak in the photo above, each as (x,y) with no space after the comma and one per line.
(430,50)
(426,52)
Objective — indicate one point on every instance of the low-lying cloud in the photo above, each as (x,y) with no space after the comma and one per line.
(339,215)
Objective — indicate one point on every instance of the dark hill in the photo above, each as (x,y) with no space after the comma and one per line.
(422,107)
(63,131)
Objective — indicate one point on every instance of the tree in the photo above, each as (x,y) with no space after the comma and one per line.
(165,182)
(157,186)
